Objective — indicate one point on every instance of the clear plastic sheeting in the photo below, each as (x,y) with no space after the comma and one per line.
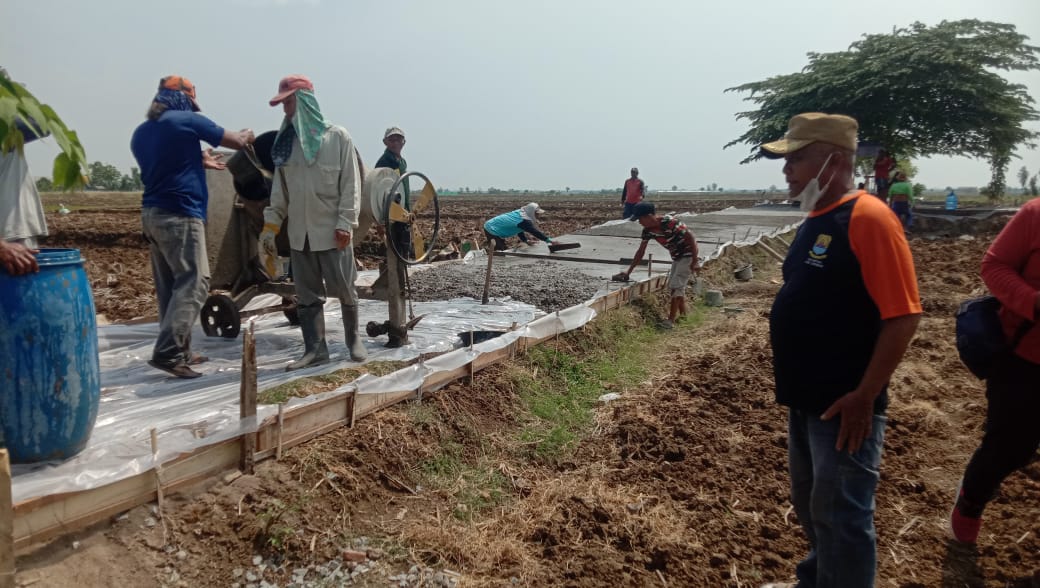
(412,377)
(188,414)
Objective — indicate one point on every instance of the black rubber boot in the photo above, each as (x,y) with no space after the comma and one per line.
(350,327)
(315,349)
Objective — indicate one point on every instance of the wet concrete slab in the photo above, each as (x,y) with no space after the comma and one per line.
(608,248)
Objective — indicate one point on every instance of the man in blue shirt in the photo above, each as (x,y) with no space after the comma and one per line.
(173,213)
(515,223)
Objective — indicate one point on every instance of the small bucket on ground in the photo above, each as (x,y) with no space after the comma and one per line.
(713,297)
(743,273)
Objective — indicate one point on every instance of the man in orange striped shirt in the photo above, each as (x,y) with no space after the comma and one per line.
(839,327)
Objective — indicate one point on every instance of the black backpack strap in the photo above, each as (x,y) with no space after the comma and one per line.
(1020,332)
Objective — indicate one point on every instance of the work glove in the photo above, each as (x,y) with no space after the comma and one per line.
(268,249)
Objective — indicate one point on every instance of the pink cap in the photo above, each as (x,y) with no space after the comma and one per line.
(290,84)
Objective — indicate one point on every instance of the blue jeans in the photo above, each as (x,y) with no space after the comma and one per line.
(180,267)
(626,209)
(905,214)
(833,496)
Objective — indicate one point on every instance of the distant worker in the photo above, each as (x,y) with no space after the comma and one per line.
(173,213)
(632,192)
(22,220)
(319,189)
(681,244)
(951,200)
(393,139)
(1011,271)
(883,165)
(515,223)
(832,361)
(901,193)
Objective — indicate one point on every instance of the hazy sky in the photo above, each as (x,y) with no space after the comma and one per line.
(531,93)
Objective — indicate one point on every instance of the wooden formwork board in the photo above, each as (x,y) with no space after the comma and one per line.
(41,519)
(44,518)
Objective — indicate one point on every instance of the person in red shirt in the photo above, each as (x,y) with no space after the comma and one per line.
(882,173)
(632,193)
(1011,270)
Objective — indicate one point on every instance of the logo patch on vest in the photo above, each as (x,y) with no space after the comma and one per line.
(819,250)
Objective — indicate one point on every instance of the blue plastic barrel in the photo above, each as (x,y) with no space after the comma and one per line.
(50,381)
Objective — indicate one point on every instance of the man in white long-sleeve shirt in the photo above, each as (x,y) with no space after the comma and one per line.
(318,187)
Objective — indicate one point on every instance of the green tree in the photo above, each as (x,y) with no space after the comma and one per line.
(918,91)
(44,185)
(104,176)
(1023,178)
(18,104)
(1033,187)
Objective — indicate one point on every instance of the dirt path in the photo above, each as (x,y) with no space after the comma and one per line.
(681,482)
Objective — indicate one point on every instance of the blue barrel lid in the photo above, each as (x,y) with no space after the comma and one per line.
(50,257)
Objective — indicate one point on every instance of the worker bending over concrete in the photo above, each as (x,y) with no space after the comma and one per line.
(515,223)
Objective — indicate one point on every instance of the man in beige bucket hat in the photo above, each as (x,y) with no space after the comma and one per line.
(838,328)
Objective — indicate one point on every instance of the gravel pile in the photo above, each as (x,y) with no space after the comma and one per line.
(548,285)
(341,571)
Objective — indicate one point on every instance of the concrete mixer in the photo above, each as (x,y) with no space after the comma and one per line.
(236,205)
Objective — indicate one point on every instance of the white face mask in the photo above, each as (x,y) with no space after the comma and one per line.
(812,192)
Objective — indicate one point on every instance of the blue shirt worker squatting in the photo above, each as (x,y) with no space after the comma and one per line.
(838,328)
(515,223)
(173,213)
(680,243)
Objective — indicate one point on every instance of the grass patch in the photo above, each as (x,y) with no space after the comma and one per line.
(559,387)
(304,387)
(474,487)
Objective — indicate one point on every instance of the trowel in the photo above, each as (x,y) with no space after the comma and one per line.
(553,248)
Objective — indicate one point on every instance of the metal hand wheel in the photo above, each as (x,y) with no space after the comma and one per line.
(421,223)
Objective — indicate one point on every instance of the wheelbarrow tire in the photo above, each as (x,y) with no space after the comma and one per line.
(220,317)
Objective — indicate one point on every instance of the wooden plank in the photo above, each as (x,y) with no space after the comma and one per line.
(51,516)
(770,251)
(247,391)
(298,422)
(6,523)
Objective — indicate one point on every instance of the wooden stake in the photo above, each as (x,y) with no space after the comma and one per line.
(281,426)
(158,470)
(351,403)
(6,524)
(770,251)
(649,265)
(487,276)
(247,398)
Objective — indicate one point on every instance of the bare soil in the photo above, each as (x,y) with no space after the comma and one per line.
(680,482)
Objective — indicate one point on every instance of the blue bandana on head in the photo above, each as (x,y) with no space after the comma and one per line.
(173,100)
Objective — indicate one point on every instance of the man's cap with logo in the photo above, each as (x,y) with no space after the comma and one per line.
(641,209)
(393,131)
(814,127)
(289,85)
(181,84)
